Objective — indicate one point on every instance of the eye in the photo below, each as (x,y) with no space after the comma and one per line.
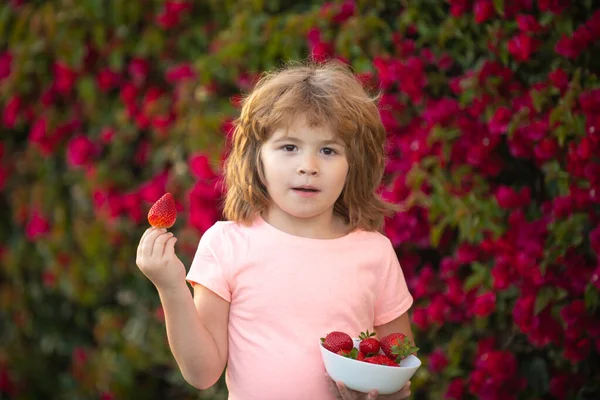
(288,147)
(328,151)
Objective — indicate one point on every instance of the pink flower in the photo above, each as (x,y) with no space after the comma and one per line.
(499,122)
(64,78)
(559,79)
(420,318)
(522,312)
(37,226)
(484,10)
(107,79)
(346,10)
(459,7)
(546,149)
(467,253)
(528,24)
(508,198)
(322,51)
(170,16)
(485,304)
(200,167)
(554,6)
(81,151)
(5,64)
(438,361)
(11,112)
(455,390)
(138,70)
(521,46)
(577,350)
(204,210)
(180,73)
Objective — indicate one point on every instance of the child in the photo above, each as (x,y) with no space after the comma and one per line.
(300,255)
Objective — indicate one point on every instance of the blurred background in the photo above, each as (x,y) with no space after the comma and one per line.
(493,115)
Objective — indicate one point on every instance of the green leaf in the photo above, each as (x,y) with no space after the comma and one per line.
(86,88)
(591,298)
(544,296)
(499,6)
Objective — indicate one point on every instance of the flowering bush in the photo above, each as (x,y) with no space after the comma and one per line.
(493,114)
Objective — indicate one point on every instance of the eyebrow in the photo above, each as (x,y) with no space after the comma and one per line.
(298,140)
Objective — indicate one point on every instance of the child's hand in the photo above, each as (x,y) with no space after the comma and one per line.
(342,392)
(157,260)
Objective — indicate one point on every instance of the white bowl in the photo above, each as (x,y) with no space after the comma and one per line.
(364,377)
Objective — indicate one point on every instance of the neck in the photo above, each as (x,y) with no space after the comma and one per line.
(325,226)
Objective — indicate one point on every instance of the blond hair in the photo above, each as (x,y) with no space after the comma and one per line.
(323,93)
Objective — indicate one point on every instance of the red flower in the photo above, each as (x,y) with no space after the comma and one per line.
(322,51)
(559,79)
(521,46)
(459,7)
(64,78)
(11,112)
(485,304)
(499,122)
(180,73)
(200,167)
(507,197)
(81,151)
(546,149)
(438,361)
(484,10)
(5,64)
(595,240)
(37,226)
(554,6)
(138,70)
(455,390)
(528,24)
(107,79)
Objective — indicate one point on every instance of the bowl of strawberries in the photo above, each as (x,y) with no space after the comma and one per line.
(366,363)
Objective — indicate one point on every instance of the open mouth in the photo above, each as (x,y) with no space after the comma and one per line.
(305,190)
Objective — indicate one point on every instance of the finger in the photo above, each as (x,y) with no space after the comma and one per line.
(405,392)
(159,244)
(372,395)
(139,248)
(344,392)
(148,245)
(170,247)
(332,387)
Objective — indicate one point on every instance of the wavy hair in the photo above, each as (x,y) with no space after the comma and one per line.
(323,93)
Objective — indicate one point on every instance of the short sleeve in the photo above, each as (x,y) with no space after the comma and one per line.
(393,299)
(211,263)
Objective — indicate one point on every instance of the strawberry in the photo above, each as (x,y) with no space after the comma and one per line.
(368,344)
(353,354)
(380,359)
(397,346)
(336,341)
(163,213)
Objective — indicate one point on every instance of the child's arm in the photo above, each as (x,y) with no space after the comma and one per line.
(196,327)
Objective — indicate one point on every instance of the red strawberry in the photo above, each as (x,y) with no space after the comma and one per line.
(336,341)
(397,346)
(353,354)
(368,344)
(380,359)
(163,213)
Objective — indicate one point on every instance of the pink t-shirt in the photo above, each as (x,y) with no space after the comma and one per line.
(286,292)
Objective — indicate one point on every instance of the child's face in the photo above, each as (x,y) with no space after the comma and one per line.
(304,157)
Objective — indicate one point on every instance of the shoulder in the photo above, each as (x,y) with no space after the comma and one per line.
(374,239)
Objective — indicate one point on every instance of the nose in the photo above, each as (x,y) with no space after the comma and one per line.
(308,166)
